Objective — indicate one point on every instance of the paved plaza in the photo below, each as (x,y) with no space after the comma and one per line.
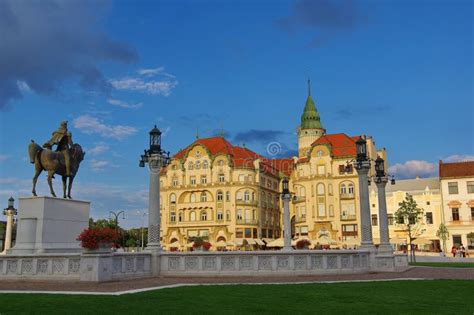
(413,273)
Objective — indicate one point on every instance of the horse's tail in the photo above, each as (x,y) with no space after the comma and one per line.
(33,150)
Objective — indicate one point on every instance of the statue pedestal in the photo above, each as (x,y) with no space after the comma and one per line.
(50,225)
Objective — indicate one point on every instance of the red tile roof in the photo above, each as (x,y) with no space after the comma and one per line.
(457,169)
(241,157)
(341,144)
(284,165)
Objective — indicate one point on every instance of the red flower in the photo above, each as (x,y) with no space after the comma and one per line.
(91,238)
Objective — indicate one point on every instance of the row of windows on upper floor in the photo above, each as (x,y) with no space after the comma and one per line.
(391,219)
(345,188)
(244,196)
(321,170)
(221,179)
(248,216)
(453,188)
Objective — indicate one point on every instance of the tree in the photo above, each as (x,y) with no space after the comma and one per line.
(409,216)
(102,223)
(443,234)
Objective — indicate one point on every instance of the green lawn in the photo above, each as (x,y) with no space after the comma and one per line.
(444,264)
(402,297)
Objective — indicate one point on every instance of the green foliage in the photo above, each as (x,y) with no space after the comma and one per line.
(470,236)
(444,264)
(131,242)
(409,215)
(442,232)
(102,223)
(383,297)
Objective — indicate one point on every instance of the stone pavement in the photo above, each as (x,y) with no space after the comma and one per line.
(118,286)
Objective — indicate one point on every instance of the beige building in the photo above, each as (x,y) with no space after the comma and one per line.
(427,194)
(457,188)
(230,194)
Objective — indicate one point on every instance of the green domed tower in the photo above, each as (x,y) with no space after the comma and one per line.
(311,128)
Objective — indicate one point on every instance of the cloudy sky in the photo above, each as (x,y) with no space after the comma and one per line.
(401,71)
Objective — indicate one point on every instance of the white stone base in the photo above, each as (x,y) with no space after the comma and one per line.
(50,225)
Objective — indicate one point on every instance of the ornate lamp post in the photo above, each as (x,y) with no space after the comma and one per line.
(362,165)
(156,159)
(10,211)
(286,197)
(381,180)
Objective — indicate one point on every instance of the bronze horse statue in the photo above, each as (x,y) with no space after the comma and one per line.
(54,163)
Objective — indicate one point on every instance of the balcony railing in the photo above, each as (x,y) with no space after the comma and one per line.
(247,221)
(348,217)
(347,196)
(297,199)
(247,202)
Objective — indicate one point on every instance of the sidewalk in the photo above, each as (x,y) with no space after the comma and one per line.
(118,286)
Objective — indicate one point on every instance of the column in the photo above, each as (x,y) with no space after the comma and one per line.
(383,219)
(287,228)
(154,162)
(365,220)
(9,230)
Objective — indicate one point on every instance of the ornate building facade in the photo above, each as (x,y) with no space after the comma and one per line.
(230,194)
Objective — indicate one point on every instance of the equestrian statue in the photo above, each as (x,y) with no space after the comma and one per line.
(64,161)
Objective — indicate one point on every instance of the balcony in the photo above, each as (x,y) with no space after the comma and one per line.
(297,199)
(253,203)
(247,221)
(347,196)
(348,217)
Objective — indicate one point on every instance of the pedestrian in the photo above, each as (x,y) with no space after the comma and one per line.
(463,251)
(454,251)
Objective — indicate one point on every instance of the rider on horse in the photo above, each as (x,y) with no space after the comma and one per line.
(62,138)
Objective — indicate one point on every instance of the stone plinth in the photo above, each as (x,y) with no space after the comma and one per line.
(50,225)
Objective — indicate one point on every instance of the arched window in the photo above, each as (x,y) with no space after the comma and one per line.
(192,198)
(351,188)
(172,198)
(180,216)
(220,162)
(203,197)
(203,216)
(190,165)
(220,196)
(320,189)
(205,165)
(192,216)
(239,195)
(246,196)
(343,189)
(198,165)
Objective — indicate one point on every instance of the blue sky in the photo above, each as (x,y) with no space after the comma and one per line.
(401,71)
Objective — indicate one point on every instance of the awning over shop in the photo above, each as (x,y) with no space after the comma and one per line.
(251,241)
(259,242)
(174,244)
(276,243)
(221,243)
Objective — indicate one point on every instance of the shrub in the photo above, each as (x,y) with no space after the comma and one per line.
(302,244)
(91,238)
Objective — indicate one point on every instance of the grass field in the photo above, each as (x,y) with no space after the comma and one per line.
(389,297)
(444,264)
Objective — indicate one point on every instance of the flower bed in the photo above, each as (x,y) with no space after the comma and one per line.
(93,238)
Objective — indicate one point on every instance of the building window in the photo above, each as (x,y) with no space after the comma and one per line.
(304,231)
(205,165)
(220,163)
(390,219)
(453,188)
(173,217)
(221,178)
(374,220)
(227,196)
(192,216)
(351,189)
(321,210)
(241,178)
(428,203)
(180,216)
(203,197)
(175,181)
(321,170)
(172,198)
(220,216)
(472,213)
(343,189)
(239,195)
(246,196)
(190,166)
(239,214)
(470,187)
(203,216)
(320,189)
(203,179)
(429,218)
(220,196)
(239,233)
(193,180)
(198,165)
(455,212)
(192,198)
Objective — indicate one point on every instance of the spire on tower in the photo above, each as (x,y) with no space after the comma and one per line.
(197,132)
(309,87)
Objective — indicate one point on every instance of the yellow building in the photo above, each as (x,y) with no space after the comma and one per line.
(426,192)
(230,194)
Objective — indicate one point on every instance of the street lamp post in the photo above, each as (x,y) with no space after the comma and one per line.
(10,211)
(116,215)
(156,159)
(286,197)
(381,180)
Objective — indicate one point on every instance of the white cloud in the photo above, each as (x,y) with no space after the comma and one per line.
(413,168)
(458,158)
(98,149)
(151,87)
(23,86)
(92,125)
(123,104)
(4,157)
(98,165)
(151,72)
